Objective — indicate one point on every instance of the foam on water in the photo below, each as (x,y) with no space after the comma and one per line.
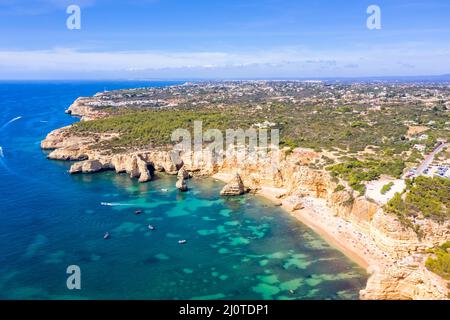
(10,121)
(108,204)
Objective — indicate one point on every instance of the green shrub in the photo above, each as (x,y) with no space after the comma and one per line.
(429,197)
(314,125)
(386,188)
(356,172)
(440,262)
(359,124)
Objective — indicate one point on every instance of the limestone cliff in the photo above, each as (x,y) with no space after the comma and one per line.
(397,269)
(82,108)
(88,166)
(65,145)
(406,279)
(394,275)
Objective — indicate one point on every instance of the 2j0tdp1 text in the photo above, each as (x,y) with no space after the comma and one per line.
(245,309)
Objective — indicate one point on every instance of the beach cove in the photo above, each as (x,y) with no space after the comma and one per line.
(353,222)
(241,248)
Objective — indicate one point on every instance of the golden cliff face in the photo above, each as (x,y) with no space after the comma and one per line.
(406,278)
(66,146)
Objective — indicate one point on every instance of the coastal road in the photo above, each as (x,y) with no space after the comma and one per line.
(429,159)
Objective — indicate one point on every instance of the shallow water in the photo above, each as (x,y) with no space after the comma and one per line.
(237,248)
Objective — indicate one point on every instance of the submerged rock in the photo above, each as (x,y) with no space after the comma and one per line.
(234,188)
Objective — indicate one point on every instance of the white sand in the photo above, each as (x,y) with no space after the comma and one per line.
(339,233)
(374,189)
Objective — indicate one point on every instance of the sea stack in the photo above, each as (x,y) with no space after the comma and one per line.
(183,173)
(234,188)
(182,176)
(144,173)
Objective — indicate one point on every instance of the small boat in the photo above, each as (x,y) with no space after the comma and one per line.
(164,190)
(150,227)
(182,241)
(106,236)
(138,212)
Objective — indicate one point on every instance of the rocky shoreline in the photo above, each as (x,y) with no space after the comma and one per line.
(359,227)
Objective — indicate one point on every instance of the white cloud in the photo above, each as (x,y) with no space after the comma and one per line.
(73,60)
(292,61)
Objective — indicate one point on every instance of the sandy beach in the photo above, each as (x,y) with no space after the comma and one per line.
(339,233)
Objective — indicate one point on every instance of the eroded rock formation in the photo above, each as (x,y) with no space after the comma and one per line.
(394,275)
(88,166)
(234,188)
(406,279)
(181,183)
(398,273)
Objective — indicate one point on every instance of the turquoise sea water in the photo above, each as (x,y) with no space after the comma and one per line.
(238,248)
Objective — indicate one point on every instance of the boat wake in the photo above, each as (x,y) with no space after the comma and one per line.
(109,204)
(11,121)
(1,153)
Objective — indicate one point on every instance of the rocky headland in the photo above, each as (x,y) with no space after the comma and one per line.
(392,253)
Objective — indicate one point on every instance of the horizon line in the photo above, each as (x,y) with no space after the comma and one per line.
(446,77)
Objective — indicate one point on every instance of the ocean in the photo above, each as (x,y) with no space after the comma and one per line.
(237,248)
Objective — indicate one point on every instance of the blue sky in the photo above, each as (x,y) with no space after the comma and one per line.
(222,39)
